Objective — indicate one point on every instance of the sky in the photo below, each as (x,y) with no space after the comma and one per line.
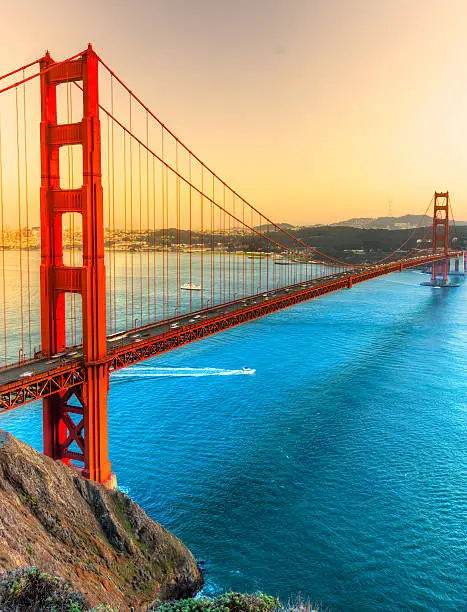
(314,110)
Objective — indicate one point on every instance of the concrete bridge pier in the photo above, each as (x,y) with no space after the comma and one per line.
(439,278)
(458,265)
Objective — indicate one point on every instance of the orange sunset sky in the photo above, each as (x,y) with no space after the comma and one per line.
(314,110)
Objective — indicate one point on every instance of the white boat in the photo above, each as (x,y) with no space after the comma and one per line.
(246,370)
(191,287)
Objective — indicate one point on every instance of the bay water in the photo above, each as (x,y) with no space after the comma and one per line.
(338,470)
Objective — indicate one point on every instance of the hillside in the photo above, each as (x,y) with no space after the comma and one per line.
(98,539)
(389,223)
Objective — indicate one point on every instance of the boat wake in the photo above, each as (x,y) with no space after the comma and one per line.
(153,372)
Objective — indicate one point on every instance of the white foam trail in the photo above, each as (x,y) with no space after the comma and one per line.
(153,372)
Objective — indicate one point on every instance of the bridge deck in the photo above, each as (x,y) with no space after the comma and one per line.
(38,378)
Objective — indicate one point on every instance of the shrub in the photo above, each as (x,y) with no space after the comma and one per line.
(183,605)
(239,602)
(228,602)
(302,605)
(30,589)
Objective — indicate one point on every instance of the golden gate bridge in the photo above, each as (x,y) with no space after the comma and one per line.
(143,249)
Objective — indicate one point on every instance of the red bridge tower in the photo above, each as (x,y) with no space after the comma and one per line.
(74,433)
(440,239)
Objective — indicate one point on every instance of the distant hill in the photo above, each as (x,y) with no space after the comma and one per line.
(390,223)
(267,227)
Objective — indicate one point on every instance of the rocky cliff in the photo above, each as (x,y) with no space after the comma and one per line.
(98,539)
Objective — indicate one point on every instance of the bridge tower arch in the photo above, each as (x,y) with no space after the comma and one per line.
(75,420)
(440,236)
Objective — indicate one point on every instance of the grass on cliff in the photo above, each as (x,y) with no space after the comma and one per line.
(228,602)
(236,602)
(30,589)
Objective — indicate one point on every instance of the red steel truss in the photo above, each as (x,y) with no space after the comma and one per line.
(40,386)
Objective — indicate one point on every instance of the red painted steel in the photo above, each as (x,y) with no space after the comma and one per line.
(85,443)
(440,240)
(39,386)
(72,376)
(129,355)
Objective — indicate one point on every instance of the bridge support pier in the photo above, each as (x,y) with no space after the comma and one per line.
(457,265)
(75,421)
(439,274)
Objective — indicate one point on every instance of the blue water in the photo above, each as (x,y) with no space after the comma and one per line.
(338,470)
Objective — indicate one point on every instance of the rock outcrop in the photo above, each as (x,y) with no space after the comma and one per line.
(98,539)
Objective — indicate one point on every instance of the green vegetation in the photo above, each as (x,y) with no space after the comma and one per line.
(31,589)
(237,602)
(28,500)
(228,602)
(340,242)
(351,244)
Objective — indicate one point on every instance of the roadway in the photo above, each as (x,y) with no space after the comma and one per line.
(34,367)
(71,358)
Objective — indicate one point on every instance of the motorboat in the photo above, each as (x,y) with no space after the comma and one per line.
(247,370)
(190,287)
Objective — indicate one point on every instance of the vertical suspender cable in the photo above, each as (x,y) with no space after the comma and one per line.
(263,256)
(229,255)
(166,273)
(125,227)
(244,246)
(201,254)
(164,246)
(26,196)
(267,265)
(148,259)
(190,237)
(2,223)
(109,238)
(177,230)
(114,248)
(154,237)
(221,256)
(253,259)
(224,247)
(20,229)
(273,270)
(140,188)
(212,243)
(132,235)
(232,249)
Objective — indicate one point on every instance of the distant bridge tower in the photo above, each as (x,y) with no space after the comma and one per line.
(440,239)
(75,433)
